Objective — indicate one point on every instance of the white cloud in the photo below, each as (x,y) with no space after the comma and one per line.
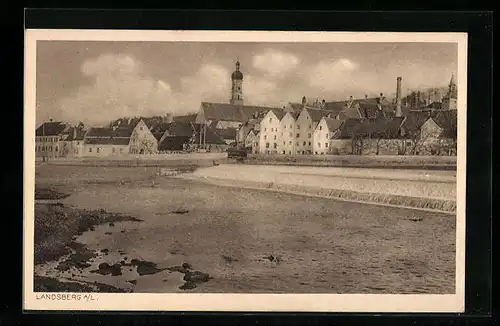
(275,63)
(120,88)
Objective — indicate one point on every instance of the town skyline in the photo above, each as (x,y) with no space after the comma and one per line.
(96,82)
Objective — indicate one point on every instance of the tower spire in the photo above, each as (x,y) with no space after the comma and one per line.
(236,87)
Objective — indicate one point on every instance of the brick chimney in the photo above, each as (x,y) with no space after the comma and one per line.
(398,112)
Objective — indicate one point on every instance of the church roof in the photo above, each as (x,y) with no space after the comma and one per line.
(231,112)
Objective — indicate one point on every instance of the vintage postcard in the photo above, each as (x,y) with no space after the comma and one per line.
(244,171)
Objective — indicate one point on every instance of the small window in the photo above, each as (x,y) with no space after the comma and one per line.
(309,135)
(298,135)
(140,128)
(298,126)
(304,143)
(290,134)
(284,127)
(284,142)
(319,145)
(270,119)
(98,149)
(320,127)
(291,127)
(298,144)
(90,149)
(78,143)
(316,153)
(265,137)
(290,142)
(265,129)
(275,145)
(309,143)
(267,145)
(56,149)
(274,137)
(326,145)
(310,126)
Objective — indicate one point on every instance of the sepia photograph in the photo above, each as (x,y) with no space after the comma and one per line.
(305,171)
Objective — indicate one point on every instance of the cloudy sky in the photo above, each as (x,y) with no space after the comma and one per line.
(96,82)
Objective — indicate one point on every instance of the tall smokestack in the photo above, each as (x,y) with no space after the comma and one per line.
(398,97)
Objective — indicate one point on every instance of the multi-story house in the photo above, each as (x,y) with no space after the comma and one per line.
(323,133)
(49,138)
(270,131)
(286,145)
(73,145)
(305,125)
(142,140)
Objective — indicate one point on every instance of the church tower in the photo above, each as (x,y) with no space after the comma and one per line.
(450,100)
(236,87)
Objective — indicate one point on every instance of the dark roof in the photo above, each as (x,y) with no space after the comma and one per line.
(369,109)
(414,120)
(348,128)
(227,133)
(181,129)
(385,127)
(447,120)
(131,123)
(160,128)
(333,124)
(158,135)
(211,136)
(173,143)
(296,107)
(75,134)
(380,127)
(120,132)
(435,105)
(231,112)
(50,129)
(278,113)
(335,107)
(107,141)
(317,114)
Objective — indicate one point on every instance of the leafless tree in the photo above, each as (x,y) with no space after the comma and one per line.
(146,145)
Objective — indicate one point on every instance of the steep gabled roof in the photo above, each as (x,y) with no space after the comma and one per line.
(335,107)
(278,113)
(317,114)
(50,129)
(332,124)
(231,112)
(414,120)
(447,120)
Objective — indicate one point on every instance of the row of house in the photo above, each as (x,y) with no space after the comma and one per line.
(136,136)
